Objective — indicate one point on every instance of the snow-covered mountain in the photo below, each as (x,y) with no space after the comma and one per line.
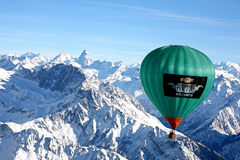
(118,74)
(216,122)
(217,118)
(85,58)
(59,111)
(28,60)
(63,57)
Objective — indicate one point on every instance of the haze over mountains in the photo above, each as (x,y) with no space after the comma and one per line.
(80,108)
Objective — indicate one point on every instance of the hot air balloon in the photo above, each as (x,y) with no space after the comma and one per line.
(176,79)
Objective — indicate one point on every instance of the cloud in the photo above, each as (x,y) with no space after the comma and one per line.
(237,39)
(159,14)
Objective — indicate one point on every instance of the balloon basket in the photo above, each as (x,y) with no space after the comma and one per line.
(172,135)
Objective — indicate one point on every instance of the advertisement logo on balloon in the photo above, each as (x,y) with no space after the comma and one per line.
(187,80)
(183,86)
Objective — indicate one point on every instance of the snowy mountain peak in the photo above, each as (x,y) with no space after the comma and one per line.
(62,57)
(64,54)
(85,58)
(136,65)
(29,54)
(119,63)
(227,65)
(228,68)
(12,55)
(40,54)
(36,58)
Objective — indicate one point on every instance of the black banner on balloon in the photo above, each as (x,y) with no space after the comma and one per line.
(183,85)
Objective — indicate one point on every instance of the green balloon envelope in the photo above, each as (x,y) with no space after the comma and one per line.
(176,79)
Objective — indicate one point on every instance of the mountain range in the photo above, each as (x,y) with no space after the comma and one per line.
(77,108)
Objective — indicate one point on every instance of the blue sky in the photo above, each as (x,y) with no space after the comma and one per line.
(120,30)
